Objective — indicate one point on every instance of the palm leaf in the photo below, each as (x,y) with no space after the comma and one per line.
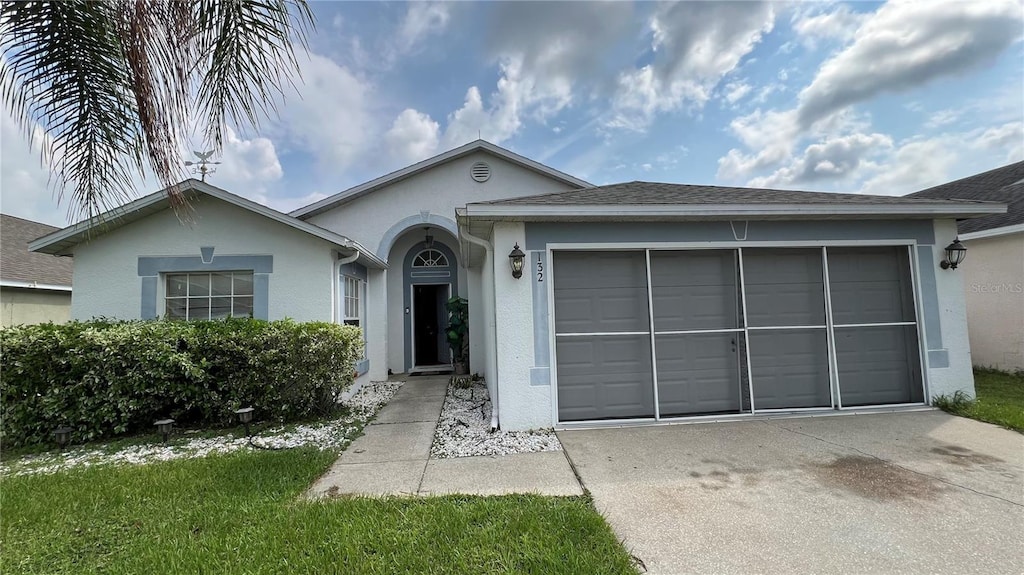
(116,86)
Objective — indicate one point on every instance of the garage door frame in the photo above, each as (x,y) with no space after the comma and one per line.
(834,383)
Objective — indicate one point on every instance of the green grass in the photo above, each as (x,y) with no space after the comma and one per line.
(1000,399)
(240,513)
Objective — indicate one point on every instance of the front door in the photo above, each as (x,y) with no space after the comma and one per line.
(429,314)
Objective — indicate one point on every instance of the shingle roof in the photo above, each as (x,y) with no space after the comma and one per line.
(20,265)
(653,193)
(1005,185)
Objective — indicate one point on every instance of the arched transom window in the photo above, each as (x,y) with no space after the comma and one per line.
(430,258)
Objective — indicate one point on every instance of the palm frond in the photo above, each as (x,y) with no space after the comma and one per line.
(115,86)
(63,69)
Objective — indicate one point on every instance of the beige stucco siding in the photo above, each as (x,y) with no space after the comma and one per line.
(994,284)
(106,274)
(27,306)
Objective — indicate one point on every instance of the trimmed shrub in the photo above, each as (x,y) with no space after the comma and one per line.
(105,378)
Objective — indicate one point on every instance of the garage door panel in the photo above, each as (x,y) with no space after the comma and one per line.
(604,377)
(784,287)
(870,285)
(599,310)
(878,365)
(590,269)
(698,373)
(694,290)
(789,369)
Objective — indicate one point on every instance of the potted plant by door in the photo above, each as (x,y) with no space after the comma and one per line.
(457,333)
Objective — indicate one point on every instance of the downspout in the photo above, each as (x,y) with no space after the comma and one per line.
(492,358)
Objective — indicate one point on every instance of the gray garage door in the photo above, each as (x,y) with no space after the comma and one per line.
(602,336)
(875,326)
(732,328)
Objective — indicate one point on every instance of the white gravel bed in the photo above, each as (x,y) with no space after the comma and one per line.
(464,429)
(333,434)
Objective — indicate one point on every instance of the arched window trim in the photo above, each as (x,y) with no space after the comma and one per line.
(430,258)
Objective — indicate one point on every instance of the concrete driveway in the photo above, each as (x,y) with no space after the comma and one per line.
(908,492)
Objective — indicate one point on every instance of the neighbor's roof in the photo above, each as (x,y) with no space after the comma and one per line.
(62,241)
(1005,185)
(651,200)
(21,268)
(451,155)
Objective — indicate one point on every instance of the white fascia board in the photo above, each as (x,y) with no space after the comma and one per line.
(994,232)
(424,165)
(110,216)
(729,210)
(34,285)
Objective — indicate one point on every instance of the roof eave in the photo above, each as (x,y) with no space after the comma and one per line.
(712,211)
(993,232)
(34,285)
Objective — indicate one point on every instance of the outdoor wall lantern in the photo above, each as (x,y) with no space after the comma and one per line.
(164,427)
(245,416)
(62,435)
(955,254)
(429,240)
(515,259)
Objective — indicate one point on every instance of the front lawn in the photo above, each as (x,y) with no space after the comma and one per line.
(1000,399)
(241,513)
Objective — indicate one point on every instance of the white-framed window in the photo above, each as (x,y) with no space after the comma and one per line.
(353,304)
(208,295)
(430,258)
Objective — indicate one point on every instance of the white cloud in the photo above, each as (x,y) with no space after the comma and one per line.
(517,95)
(905,45)
(1007,138)
(413,137)
(735,91)
(942,118)
(833,160)
(331,118)
(915,165)
(695,45)
(248,167)
(839,24)
(422,20)
(24,190)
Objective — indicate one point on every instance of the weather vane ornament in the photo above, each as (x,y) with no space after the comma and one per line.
(204,165)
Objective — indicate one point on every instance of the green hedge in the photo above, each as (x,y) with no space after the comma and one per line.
(106,378)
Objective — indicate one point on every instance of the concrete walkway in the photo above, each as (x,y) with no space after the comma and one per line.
(392,457)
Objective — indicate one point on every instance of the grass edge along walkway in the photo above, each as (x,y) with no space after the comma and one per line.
(241,513)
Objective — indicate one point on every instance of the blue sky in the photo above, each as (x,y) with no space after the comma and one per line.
(882,98)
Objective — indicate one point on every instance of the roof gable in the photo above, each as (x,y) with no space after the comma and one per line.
(440,159)
(62,241)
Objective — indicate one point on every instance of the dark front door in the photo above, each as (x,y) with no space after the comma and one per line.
(428,324)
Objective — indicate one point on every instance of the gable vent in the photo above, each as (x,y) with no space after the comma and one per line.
(480,171)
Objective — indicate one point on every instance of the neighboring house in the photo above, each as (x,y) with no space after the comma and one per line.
(763,300)
(994,269)
(34,287)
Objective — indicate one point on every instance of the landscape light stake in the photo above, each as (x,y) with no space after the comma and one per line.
(245,416)
(164,427)
(62,435)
